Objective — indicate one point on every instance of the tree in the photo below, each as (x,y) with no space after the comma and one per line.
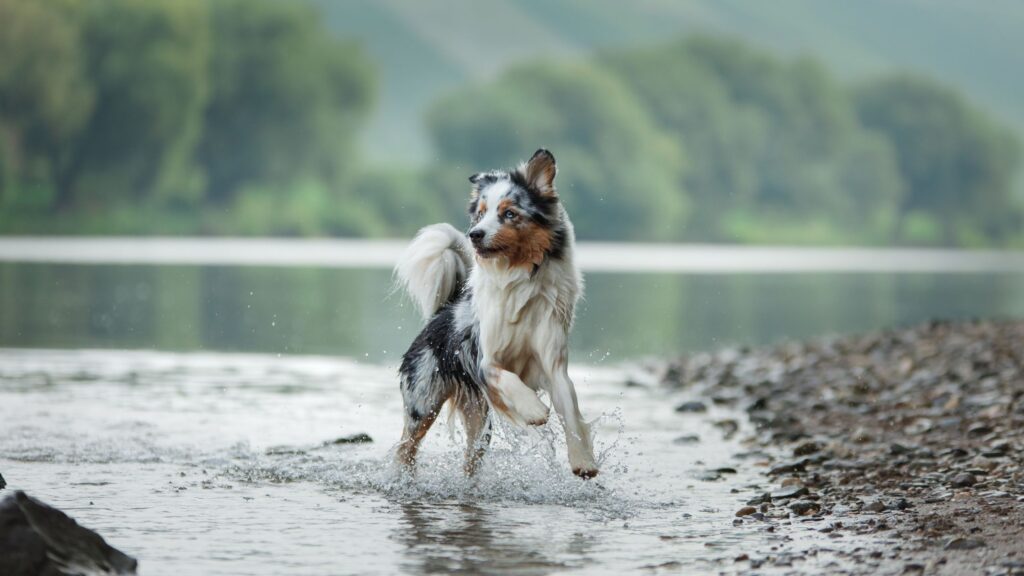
(287,98)
(46,97)
(957,164)
(718,139)
(621,176)
(147,59)
(812,160)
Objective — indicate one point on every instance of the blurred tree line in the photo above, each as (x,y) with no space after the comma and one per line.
(243,117)
(709,140)
(177,116)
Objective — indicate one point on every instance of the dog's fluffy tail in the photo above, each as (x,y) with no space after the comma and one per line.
(434,267)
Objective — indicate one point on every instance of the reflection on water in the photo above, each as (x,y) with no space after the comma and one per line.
(458,538)
(352,312)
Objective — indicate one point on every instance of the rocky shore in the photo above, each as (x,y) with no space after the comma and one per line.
(914,437)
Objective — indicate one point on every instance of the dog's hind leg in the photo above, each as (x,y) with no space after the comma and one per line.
(473,408)
(423,395)
(416,428)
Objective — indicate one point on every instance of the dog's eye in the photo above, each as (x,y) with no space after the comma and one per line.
(510,215)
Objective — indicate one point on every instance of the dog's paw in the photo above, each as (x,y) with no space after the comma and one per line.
(521,400)
(538,422)
(585,473)
(533,411)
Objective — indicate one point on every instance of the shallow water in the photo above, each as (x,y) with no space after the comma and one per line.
(217,464)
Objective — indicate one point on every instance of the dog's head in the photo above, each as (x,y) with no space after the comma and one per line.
(515,214)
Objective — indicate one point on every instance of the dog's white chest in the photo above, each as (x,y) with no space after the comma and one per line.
(519,313)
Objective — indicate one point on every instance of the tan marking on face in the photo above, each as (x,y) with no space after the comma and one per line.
(505,204)
(524,244)
(481,208)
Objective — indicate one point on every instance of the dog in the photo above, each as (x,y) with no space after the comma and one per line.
(499,303)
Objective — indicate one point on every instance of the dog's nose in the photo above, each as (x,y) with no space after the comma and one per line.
(476,235)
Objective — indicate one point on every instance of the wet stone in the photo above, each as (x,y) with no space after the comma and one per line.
(901,504)
(979,429)
(360,438)
(765,498)
(729,427)
(691,407)
(807,448)
(39,539)
(791,492)
(789,467)
(964,544)
(746,511)
(963,480)
(804,507)
(897,449)
(875,506)
(687,439)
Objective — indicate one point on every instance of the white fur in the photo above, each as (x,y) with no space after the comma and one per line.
(523,404)
(434,264)
(525,317)
(491,197)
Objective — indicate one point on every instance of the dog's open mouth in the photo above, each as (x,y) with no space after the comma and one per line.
(485,252)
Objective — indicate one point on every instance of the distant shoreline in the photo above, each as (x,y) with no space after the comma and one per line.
(591,256)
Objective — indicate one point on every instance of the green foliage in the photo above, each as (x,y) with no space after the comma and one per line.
(170,108)
(958,166)
(401,201)
(241,117)
(45,98)
(286,98)
(762,136)
(147,62)
(624,176)
(759,149)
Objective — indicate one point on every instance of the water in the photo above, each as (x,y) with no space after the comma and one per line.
(352,313)
(186,411)
(217,464)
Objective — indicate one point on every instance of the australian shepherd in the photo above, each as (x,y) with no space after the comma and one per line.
(499,303)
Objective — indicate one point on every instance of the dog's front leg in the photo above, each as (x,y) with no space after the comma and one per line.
(512,397)
(577,432)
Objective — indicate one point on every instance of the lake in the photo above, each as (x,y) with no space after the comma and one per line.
(184,405)
(352,311)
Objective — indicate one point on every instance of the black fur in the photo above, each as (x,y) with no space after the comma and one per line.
(455,353)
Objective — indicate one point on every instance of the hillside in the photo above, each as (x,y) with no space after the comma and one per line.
(427,49)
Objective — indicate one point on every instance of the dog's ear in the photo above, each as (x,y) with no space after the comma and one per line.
(540,172)
(481,180)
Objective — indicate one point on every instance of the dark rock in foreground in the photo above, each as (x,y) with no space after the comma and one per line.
(39,540)
(3,483)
